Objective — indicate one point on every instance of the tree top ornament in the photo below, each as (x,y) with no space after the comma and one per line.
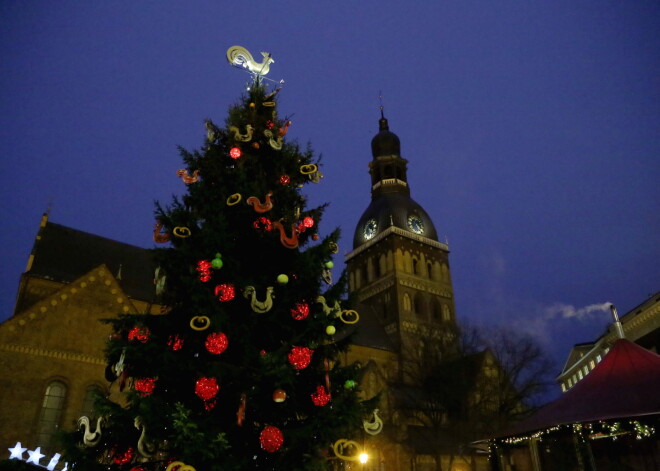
(240,57)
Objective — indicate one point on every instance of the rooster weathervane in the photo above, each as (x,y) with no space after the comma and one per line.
(238,56)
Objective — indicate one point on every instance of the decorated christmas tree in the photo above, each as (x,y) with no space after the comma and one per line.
(241,370)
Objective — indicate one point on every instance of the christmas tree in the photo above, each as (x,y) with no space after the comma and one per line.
(241,370)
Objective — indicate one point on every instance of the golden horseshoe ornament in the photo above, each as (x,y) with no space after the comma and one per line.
(181,231)
(200,323)
(234,199)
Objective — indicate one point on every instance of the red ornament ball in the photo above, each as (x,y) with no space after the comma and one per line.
(175,342)
(225,292)
(235,153)
(285,179)
(141,334)
(308,222)
(300,311)
(271,439)
(204,269)
(125,457)
(216,343)
(279,395)
(206,388)
(145,386)
(300,357)
(263,224)
(321,397)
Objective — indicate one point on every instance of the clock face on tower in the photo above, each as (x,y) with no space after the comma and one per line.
(370,229)
(415,224)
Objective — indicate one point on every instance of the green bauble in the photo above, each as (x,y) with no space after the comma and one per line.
(282,279)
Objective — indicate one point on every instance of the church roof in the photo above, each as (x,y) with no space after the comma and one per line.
(64,254)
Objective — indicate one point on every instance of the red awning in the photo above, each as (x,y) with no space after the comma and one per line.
(626,383)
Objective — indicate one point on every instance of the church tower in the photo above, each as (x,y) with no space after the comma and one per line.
(398,270)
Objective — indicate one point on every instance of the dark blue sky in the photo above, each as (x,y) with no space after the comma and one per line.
(532,131)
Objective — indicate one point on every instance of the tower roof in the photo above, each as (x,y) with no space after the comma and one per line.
(391,204)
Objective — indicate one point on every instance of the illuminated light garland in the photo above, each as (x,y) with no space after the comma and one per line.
(216,343)
(175,342)
(300,311)
(300,357)
(145,386)
(271,439)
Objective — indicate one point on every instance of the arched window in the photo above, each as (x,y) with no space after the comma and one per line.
(51,412)
(446,315)
(414,266)
(429,270)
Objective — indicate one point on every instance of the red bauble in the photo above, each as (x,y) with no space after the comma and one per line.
(175,342)
(125,457)
(140,334)
(263,224)
(204,269)
(285,179)
(206,388)
(308,222)
(271,439)
(300,311)
(216,343)
(300,357)
(235,153)
(321,397)
(225,292)
(145,386)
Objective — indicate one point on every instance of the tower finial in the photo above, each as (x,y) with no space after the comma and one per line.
(382,123)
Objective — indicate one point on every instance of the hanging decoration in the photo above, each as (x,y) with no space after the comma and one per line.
(326,276)
(347,450)
(234,199)
(200,323)
(329,265)
(247,137)
(300,357)
(279,395)
(257,306)
(187,179)
(309,169)
(181,232)
(91,438)
(334,248)
(235,153)
(175,342)
(349,316)
(225,292)
(145,386)
(263,224)
(330,330)
(124,458)
(332,311)
(275,142)
(271,439)
(159,280)
(141,334)
(308,222)
(321,397)
(204,270)
(283,130)
(285,180)
(300,311)
(217,262)
(240,415)
(159,236)
(258,206)
(213,133)
(349,384)
(179,466)
(144,448)
(206,389)
(375,426)
(290,242)
(282,279)
(326,368)
(216,343)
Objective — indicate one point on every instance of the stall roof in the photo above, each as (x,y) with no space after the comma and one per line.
(625,384)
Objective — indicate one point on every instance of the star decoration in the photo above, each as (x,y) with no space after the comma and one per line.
(35,456)
(16,452)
